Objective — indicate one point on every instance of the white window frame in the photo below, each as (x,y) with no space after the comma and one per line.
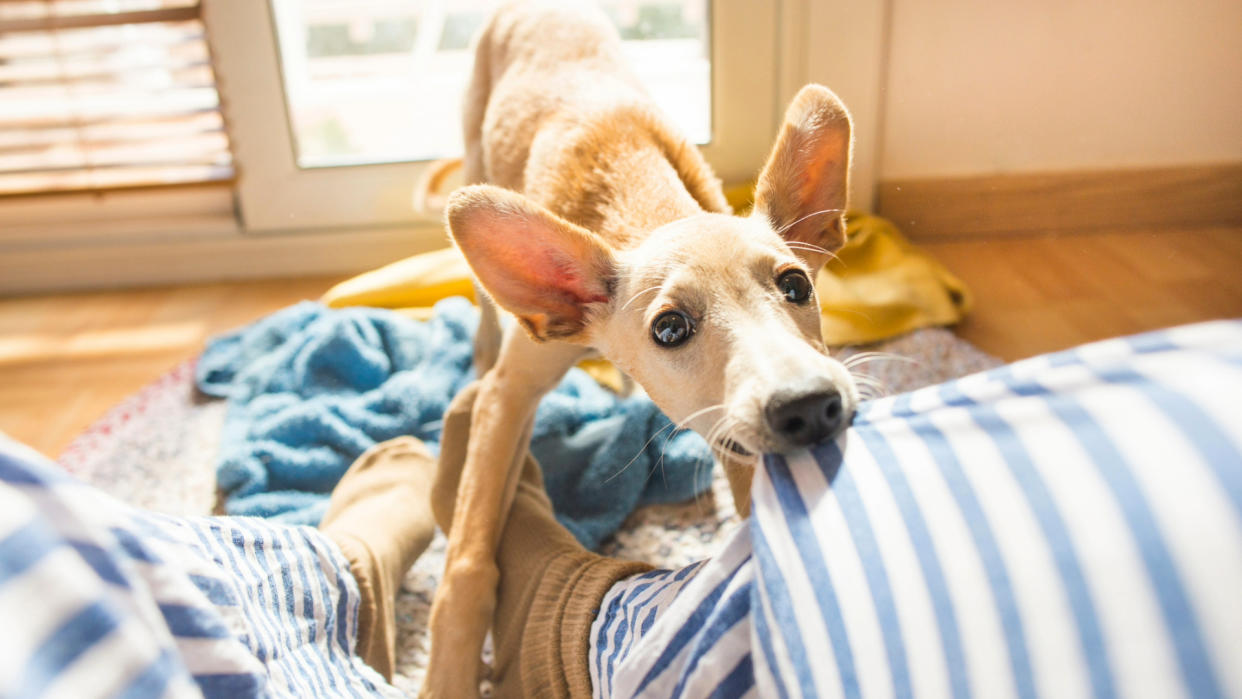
(278,219)
(276,194)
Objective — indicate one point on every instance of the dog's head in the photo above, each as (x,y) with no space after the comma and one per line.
(714,315)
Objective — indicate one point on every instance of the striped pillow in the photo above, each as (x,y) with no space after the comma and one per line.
(1069,525)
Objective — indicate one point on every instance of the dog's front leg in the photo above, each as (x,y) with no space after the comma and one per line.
(501,421)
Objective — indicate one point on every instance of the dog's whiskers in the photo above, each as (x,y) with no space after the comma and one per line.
(868,386)
(866,379)
(640,453)
(644,291)
(713,435)
(787,226)
(865,357)
(682,425)
(720,426)
(724,436)
(679,427)
(811,247)
(717,427)
(799,245)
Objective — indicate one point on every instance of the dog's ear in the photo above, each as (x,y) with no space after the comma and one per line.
(548,272)
(803,187)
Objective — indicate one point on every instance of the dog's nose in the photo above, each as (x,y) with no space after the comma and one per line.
(803,419)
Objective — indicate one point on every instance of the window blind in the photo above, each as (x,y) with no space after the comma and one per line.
(100,94)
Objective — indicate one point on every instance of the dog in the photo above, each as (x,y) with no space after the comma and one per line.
(599,228)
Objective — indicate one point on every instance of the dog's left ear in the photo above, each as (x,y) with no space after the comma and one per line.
(802,190)
(549,273)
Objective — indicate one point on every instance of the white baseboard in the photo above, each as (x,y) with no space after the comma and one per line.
(175,259)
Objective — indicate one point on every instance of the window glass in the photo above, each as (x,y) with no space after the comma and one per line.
(377,81)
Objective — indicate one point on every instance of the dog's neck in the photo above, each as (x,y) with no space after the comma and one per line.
(644,192)
(622,194)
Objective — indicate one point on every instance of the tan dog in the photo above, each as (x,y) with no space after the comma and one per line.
(612,234)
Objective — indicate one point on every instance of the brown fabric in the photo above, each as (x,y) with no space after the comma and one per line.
(550,586)
(454,436)
(550,592)
(377,633)
(380,517)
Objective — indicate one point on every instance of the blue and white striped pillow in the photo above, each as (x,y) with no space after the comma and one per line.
(1069,525)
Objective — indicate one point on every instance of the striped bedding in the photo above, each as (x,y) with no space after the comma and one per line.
(101,599)
(1069,525)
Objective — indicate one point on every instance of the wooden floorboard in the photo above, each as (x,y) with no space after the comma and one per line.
(1043,293)
(66,358)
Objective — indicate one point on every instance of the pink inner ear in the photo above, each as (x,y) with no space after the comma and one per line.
(821,177)
(551,267)
(532,268)
(818,186)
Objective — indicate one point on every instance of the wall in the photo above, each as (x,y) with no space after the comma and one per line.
(1007,86)
(838,43)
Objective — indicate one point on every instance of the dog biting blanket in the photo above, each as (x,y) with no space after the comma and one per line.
(311,388)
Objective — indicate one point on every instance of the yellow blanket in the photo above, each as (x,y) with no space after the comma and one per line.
(881,286)
(878,287)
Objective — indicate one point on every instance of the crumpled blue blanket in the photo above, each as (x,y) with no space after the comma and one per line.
(310,388)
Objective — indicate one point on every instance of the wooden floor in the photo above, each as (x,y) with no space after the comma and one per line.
(1039,294)
(65,359)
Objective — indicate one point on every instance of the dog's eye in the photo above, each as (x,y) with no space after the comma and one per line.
(795,286)
(671,328)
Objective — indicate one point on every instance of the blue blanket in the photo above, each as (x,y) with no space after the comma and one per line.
(310,389)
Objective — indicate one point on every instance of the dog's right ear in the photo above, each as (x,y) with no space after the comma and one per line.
(550,273)
(803,187)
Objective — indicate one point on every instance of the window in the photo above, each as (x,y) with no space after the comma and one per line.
(100,94)
(241,111)
(381,81)
(336,105)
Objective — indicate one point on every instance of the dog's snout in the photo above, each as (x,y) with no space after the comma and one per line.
(802,419)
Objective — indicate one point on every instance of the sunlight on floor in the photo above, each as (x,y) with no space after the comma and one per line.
(101,342)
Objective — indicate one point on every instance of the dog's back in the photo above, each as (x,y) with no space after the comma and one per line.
(551,95)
